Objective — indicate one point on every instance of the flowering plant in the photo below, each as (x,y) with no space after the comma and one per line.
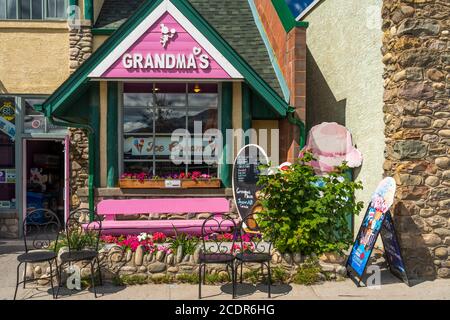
(159,237)
(142,176)
(246,248)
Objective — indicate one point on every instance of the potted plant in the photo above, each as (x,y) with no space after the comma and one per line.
(194,179)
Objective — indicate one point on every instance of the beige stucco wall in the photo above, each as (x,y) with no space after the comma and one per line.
(33,56)
(97,7)
(98,41)
(344,78)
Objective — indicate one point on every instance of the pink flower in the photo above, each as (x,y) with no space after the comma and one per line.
(159,237)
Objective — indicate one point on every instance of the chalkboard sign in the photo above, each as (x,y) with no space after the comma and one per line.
(245,176)
(392,249)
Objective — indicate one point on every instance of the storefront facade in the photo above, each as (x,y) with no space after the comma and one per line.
(170,65)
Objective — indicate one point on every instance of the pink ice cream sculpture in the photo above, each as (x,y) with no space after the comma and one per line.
(331,144)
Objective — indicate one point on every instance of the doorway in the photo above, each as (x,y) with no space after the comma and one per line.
(45,176)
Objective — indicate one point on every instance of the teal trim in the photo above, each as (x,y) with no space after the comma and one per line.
(292,119)
(79,81)
(103,31)
(89,10)
(286,16)
(73,2)
(260,111)
(252,78)
(94,107)
(246,111)
(226,115)
(273,59)
(112,139)
(91,138)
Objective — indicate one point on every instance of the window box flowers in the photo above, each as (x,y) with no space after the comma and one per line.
(194,179)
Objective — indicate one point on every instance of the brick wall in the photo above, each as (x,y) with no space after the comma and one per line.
(290,51)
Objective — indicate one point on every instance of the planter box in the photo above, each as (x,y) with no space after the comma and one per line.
(161,184)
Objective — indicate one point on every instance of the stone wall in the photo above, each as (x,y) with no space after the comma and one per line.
(140,267)
(79,165)
(81,44)
(417,116)
(9,226)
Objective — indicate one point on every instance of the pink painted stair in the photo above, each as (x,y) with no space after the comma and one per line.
(110,209)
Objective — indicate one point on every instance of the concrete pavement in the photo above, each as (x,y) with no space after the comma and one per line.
(391,288)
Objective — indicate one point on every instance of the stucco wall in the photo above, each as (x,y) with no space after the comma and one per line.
(345,78)
(33,56)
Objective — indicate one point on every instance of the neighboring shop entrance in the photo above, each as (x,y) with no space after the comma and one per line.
(45,175)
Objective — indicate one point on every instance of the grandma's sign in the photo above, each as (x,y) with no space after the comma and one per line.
(171,47)
(180,61)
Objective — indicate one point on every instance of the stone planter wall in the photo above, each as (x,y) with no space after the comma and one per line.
(416,54)
(174,267)
(9,226)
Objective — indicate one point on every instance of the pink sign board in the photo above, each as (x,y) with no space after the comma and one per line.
(166,50)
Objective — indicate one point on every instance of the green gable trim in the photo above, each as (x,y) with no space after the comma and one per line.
(251,77)
(79,79)
(103,31)
(89,10)
(73,85)
(273,59)
(286,17)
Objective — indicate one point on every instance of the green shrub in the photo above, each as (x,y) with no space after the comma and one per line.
(252,276)
(166,279)
(307,213)
(187,242)
(308,273)
(216,278)
(279,275)
(132,279)
(188,278)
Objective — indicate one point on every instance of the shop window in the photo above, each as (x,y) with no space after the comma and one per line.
(33,9)
(7,152)
(152,112)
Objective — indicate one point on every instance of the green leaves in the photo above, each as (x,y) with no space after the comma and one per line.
(308,213)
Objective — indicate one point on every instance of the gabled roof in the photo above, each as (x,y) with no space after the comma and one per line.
(79,81)
(232,19)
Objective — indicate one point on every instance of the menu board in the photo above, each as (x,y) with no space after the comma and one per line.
(392,249)
(245,177)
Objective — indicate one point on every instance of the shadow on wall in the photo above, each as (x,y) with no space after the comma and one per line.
(322,105)
(416,253)
(2,88)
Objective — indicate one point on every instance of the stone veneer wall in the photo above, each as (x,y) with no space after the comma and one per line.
(417,116)
(160,267)
(9,226)
(80,50)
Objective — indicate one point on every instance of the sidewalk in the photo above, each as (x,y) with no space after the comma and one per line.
(391,289)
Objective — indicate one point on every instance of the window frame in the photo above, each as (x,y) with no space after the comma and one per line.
(44,10)
(120,125)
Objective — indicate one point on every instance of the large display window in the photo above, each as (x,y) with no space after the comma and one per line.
(152,112)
